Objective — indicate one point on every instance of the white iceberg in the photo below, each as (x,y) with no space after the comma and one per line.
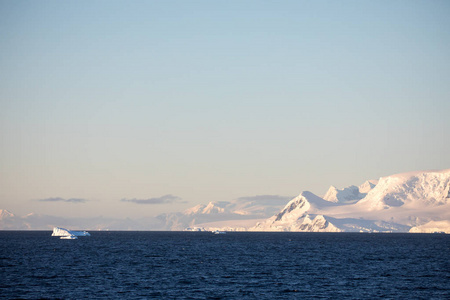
(68,234)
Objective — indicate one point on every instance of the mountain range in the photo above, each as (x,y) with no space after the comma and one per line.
(407,202)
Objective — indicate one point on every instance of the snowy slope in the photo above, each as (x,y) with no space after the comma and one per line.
(351,194)
(367,186)
(210,208)
(413,190)
(398,203)
(432,227)
(348,194)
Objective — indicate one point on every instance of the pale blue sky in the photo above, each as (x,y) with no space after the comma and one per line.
(197,101)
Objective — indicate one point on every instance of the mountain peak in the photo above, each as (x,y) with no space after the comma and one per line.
(345,195)
(295,208)
(195,210)
(214,208)
(413,189)
(5,214)
(210,208)
(367,186)
(298,207)
(331,194)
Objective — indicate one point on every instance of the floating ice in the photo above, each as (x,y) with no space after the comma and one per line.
(68,234)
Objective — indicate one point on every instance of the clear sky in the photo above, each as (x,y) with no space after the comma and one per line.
(134,108)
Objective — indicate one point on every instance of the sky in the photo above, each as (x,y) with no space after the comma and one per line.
(136,108)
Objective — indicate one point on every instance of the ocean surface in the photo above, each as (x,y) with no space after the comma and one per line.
(202,265)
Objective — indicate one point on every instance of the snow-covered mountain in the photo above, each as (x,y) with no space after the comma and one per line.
(415,190)
(415,202)
(5,214)
(9,221)
(238,214)
(407,202)
(210,208)
(351,194)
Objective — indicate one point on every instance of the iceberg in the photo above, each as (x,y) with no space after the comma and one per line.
(68,234)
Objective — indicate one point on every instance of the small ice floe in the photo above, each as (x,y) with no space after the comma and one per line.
(219,232)
(68,234)
(68,237)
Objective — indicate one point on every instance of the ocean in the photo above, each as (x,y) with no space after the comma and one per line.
(236,265)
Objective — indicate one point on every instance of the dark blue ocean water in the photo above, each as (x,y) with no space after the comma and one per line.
(201,265)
